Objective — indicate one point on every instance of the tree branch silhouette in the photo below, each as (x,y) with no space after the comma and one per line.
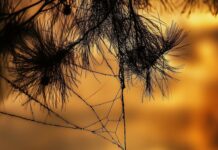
(44,50)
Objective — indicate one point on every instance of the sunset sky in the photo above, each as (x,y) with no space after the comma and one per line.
(185,119)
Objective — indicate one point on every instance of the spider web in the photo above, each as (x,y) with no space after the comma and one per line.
(105,113)
(107,122)
(108,115)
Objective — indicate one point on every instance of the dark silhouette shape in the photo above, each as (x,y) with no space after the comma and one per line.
(46,56)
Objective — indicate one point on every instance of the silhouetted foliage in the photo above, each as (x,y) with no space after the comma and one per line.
(43,58)
(12,29)
(44,64)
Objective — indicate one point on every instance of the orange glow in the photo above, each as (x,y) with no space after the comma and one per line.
(186,119)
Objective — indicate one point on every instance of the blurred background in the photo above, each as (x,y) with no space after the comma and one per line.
(185,119)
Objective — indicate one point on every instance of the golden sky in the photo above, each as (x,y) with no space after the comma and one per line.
(186,119)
